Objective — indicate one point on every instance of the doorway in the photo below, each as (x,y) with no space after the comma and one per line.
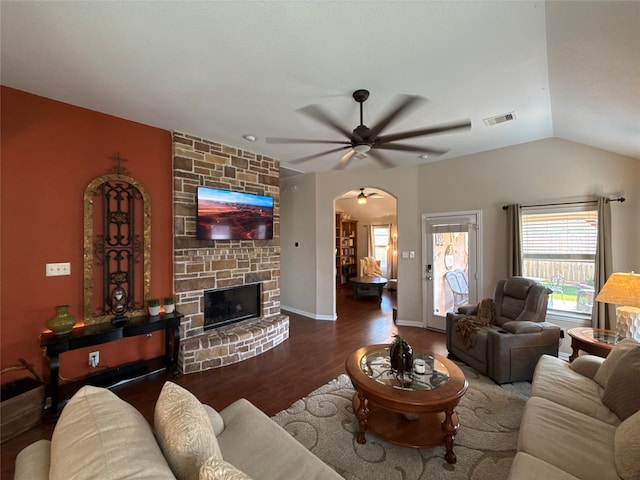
(365,227)
(452,256)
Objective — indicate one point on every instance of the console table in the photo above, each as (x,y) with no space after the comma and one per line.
(89,335)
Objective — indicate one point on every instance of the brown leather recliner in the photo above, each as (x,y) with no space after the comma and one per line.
(508,350)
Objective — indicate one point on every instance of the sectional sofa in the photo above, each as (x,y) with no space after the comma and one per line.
(98,435)
(582,421)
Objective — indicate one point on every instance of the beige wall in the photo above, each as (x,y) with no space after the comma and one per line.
(299,276)
(531,172)
(304,216)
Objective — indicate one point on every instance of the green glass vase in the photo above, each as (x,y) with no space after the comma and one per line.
(62,322)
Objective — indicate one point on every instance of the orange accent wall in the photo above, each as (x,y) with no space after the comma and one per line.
(50,151)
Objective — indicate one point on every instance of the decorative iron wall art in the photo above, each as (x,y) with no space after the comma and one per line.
(117,248)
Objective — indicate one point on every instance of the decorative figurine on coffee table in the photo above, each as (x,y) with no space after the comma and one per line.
(401,360)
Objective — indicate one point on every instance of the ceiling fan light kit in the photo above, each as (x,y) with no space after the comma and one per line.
(362,197)
(362,148)
(369,140)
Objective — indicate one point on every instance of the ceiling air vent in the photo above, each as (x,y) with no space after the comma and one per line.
(505,117)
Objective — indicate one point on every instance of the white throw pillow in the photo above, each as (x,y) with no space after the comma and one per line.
(217,469)
(627,448)
(99,435)
(622,347)
(184,431)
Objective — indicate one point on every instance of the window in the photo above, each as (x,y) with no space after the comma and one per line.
(381,246)
(559,249)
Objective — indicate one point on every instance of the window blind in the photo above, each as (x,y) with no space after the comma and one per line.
(560,235)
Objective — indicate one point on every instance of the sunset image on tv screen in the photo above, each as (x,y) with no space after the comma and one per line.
(225,215)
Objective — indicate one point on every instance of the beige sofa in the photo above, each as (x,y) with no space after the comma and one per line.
(582,420)
(98,435)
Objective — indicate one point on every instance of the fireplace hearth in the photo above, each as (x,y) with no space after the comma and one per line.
(224,306)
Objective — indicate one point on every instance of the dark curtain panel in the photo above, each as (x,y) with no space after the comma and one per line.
(514,240)
(603,314)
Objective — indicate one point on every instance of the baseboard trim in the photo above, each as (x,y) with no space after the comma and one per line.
(331,318)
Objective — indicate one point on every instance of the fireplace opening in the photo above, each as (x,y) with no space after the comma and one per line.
(229,305)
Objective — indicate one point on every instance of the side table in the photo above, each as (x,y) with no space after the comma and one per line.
(595,341)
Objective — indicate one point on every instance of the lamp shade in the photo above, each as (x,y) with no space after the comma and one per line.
(621,289)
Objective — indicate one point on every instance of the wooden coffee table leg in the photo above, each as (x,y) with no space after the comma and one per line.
(449,429)
(362,413)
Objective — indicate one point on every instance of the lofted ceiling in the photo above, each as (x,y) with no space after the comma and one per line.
(225,69)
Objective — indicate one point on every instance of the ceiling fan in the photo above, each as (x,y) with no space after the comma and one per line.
(362,197)
(364,140)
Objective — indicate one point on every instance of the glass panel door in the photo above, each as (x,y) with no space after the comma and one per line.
(451,252)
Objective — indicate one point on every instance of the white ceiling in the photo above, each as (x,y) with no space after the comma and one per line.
(221,70)
(379,204)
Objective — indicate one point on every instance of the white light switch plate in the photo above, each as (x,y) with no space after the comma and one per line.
(58,269)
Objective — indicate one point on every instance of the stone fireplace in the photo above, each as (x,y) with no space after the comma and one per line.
(208,265)
(224,306)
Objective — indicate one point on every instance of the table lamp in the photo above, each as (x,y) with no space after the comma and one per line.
(623,289)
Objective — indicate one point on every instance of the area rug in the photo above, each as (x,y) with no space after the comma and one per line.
(485,445)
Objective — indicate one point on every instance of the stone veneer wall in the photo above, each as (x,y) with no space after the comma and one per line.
(207,264)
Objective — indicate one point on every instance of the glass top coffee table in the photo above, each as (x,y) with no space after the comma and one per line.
(595,341)
(414,410)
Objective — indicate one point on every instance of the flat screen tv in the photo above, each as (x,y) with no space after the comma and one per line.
(225,215)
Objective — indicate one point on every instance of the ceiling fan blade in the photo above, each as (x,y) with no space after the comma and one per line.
(446,127)
(344,161)
(381,159)
(277,140)
(406,104)
(319,114)
(411,148)
(316,155)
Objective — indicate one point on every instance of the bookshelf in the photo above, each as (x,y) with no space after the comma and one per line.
(346,250)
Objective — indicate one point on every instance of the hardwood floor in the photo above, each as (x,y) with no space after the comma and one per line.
(313,355)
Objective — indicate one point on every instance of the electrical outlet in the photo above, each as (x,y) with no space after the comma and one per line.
(94,359)
(58,269)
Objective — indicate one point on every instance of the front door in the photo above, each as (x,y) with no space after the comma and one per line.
(451,258)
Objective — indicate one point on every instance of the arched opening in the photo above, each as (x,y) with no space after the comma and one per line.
(366,226)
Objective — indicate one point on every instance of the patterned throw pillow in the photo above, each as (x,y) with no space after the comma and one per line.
(612,360)
(184,431)
(217,469)
(622,393)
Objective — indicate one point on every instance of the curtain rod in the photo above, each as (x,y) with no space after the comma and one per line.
(621,199)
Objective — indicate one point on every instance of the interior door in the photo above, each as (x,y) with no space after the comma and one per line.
(451,264)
